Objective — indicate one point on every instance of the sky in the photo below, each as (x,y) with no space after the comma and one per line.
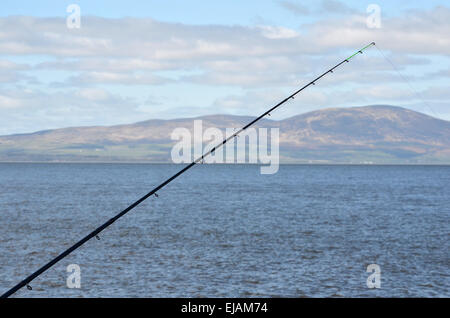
(130,61)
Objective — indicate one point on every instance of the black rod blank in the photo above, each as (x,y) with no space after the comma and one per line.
(97,231)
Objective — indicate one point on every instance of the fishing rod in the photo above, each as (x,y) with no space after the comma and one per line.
(97,231)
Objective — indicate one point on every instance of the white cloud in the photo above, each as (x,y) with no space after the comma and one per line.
(417,32)
(271,58)
(108,64)
(7,102)
(295,7)
(104,48)
(10,72)
(28,110)
(6,65)
(113,78)
(320,7)
(334,6)
(274,32)
(93,94)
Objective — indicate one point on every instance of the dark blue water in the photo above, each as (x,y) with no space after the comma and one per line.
(227,230)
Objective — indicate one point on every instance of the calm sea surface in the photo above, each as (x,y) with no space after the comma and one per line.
(227,230)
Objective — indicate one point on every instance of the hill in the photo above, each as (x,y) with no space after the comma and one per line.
(370,134)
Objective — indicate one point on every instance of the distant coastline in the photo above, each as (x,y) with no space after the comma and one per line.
(350,135)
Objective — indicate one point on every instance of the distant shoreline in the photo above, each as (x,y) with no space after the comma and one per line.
(350,136)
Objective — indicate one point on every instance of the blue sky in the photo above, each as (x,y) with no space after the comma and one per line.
(199,11)
(135,60)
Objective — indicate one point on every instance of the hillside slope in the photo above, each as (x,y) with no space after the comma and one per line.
(376,134)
